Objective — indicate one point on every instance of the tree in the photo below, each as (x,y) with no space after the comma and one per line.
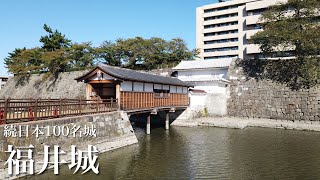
(80,56)
(145,54)
(54,40)
(108,53)
(291,29)
(23,61)
(57,54)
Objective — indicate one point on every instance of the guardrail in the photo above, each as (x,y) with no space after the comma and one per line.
(22,110)
(146,100)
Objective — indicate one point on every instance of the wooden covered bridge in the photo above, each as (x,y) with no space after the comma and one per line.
(108,89)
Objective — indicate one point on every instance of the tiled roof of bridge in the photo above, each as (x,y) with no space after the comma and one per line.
(132,75)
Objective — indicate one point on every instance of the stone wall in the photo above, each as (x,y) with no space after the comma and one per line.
(37,86)
(267,99)
(113,130)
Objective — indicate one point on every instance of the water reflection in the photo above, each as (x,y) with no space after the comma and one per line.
(275,154)
(210,153)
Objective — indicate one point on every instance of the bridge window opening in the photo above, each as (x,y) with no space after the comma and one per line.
(161,93)
(103,91)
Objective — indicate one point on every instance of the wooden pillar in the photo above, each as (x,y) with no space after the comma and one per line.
(148,124)
(88,91)
(167,121)
(118,95)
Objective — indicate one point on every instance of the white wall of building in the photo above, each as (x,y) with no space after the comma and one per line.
(148,87)
(126,86)
(212,81)
(173,89)
(202,75)
(197,101)
(209,80)
(212,87)
(138,86)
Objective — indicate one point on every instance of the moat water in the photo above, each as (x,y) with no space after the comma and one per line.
(209,153)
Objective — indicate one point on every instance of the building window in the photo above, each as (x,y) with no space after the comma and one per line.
(161,93)
(221,49)
(219,57)
(253,27)
(220,17)
(256,12)
(221,25)
(220,8)
(221,33)
(221,41)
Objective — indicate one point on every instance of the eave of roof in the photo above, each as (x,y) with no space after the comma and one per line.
(132,75)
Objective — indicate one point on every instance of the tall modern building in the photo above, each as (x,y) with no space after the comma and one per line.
(223,29)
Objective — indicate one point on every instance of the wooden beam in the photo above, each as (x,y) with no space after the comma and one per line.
(101,81)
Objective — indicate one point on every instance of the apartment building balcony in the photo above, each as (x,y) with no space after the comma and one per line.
(221,53)
(222,12)
(219,45)
(222,28)
(224,36)
(222,20)
(253,49)
(254,19)
(250,33)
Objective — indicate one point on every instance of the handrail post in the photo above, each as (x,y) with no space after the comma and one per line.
(60,107)
(80,106)
(36,110)
(111,105)
(6,103)
(97,108)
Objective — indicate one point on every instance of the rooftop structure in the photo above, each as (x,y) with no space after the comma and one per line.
(209,83)
(135,90)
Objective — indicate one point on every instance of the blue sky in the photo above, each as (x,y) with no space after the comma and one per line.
(95,20)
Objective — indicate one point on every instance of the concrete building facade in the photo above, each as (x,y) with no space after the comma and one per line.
(223,29)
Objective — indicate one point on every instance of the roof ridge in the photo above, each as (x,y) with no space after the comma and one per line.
(137,71)
(133,75)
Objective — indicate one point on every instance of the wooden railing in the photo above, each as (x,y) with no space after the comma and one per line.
(145,100)
(21,110)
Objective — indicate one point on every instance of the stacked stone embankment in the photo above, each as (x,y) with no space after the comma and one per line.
(38,86)
(266,99)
